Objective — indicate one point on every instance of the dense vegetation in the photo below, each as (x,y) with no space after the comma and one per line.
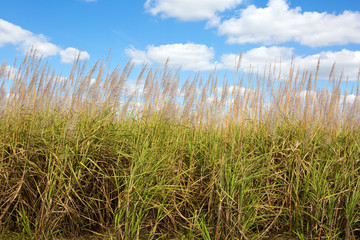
(84,157)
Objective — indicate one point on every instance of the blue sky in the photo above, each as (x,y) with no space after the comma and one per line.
(196,34)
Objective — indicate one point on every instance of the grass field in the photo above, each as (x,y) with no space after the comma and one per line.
(214,158)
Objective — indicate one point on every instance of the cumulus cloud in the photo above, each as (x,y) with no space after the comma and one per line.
(189,10)
(138,56)
(278,23)
(70,54)
(346,61)
(197,57)
(259,58)
(189,56)
(24,40)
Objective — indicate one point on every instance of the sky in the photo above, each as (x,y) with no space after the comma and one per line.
(197,35)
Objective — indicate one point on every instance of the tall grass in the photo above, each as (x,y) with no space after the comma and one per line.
(213,158)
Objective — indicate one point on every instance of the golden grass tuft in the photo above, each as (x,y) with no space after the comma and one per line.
(261,157)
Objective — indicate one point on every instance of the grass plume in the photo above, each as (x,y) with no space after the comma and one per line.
(92,155)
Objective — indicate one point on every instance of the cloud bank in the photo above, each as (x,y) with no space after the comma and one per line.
(278,23)
(199,57)
(346,61)
(275,24)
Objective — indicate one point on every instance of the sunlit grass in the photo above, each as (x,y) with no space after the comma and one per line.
(83,157)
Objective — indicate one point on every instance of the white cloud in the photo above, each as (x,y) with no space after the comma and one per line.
(189,56)
(70,54)
(350,99)
(196,57)
(278,23)
(259,58)
(42,46)
(25,40)
(10,33)
(346,61)
(189,10)
(138,56)
(92,81)
(7,71)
